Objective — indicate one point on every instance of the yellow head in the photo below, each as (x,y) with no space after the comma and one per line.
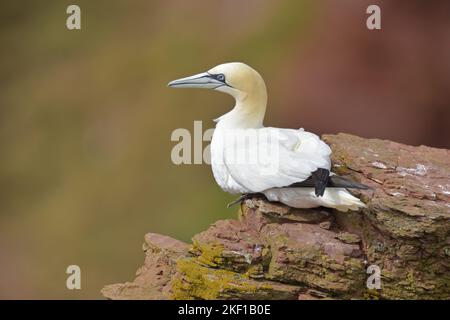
(237,79)
(234,78)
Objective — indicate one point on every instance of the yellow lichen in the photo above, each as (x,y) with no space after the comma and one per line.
(196,281)
(210,254)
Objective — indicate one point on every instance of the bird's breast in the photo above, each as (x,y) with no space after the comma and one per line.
(219,167)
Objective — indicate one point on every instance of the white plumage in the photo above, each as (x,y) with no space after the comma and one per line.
(247,157)
(298,154)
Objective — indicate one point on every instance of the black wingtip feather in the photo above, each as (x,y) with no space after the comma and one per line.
(319,184)
(320,178)
(340,182)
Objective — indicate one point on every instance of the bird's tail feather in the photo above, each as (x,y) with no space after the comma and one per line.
(337,198)
(343,200)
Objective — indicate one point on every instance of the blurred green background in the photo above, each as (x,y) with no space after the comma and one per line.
(86,117)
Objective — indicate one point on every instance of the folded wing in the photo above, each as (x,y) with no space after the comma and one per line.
(260,159)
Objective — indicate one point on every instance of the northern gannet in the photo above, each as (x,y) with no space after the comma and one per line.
(293,166)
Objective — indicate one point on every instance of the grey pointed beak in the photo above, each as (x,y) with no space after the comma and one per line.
(201,80)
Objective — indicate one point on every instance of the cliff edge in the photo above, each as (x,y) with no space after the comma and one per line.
(276,252)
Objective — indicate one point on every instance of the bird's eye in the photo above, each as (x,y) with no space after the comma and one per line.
(220,77)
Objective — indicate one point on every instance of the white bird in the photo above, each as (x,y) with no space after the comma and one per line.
(286,165)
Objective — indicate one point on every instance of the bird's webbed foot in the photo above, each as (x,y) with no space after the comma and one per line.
(245,197)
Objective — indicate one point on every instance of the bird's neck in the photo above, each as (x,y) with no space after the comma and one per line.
(248,112)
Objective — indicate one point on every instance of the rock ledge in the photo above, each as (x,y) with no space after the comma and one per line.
(276,252)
